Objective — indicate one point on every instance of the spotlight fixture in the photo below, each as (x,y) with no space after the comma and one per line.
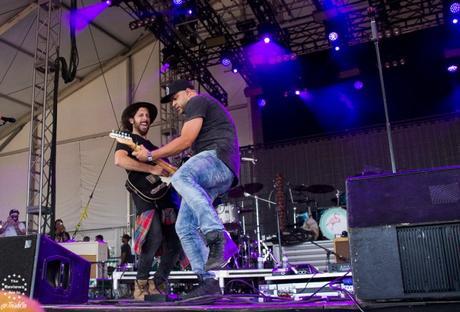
(333,36)
(178,2)
(142,23)
(454,8)
(235,70)
(358,85)
(261,102)
(112,2)
(455,21)
(337,48)
(226,57)
(297,92)
(452,68)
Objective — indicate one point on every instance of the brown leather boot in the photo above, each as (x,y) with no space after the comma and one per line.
(152,288)
(141,289)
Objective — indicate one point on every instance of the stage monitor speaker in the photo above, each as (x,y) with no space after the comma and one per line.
(60,275)
(404,232)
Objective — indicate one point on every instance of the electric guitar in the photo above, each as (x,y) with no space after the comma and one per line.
(149,187)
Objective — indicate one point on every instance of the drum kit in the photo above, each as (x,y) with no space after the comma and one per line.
(306,215)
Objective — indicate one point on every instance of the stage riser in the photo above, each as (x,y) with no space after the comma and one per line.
(307,253)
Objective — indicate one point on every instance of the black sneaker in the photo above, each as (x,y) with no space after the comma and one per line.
(216,243)
(207,287)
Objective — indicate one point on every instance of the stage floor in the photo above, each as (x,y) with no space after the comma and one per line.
(247,303)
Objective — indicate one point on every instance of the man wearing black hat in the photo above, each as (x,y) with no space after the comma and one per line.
(12,226)
(152,227)
(214,167)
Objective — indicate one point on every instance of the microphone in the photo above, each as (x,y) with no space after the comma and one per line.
(253,160)
(8,119)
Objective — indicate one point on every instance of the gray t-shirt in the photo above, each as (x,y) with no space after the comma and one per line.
(218,131)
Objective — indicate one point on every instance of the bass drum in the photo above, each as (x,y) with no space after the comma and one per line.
(228,213)
(333,222)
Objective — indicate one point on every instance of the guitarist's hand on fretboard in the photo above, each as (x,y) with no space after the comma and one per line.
(159,171)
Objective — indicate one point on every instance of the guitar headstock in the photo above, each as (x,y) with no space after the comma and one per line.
(123,138)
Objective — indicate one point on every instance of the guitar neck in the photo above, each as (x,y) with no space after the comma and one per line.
(128,141)
(160,162)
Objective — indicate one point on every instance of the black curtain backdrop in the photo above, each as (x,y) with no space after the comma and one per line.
(331,159)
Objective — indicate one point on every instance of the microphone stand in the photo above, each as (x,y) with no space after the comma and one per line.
(258,225)
(328,252)
(375,39)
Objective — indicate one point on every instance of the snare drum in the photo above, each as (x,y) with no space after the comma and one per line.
(333,222)
(228,213)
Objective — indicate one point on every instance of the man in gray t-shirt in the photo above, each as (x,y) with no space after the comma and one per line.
(214,167)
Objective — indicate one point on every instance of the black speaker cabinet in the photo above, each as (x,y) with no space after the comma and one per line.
(60,275)
(405,235)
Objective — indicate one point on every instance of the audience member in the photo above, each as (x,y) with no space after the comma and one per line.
(60,234)
(12,226)
(126,255)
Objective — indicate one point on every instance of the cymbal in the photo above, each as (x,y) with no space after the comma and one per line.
(236,192)
(320,188)
(300,188)
(305,201)
(253,188)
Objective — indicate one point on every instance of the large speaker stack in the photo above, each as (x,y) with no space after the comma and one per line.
(60,275)
(405,235)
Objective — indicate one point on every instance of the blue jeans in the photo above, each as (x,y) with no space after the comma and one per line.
(199,181)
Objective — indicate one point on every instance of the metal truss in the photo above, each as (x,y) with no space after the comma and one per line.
(194,67)
(42,153)
(216,27)
(263,11)
(300,26)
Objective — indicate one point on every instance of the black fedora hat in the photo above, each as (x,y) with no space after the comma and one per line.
(131,110)
(174,87)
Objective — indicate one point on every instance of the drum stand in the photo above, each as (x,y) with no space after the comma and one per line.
(294,209)
(259,242)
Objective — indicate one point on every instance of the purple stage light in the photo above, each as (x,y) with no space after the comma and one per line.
(337,48)
(297,92)
(164,68)
(177,2)
(454,8)
(358,85)
(455,21)
(235,70)
(452,68)
(266,39)
(189,12)
(261,102)
(84,15)
(225,61)
(333,36)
